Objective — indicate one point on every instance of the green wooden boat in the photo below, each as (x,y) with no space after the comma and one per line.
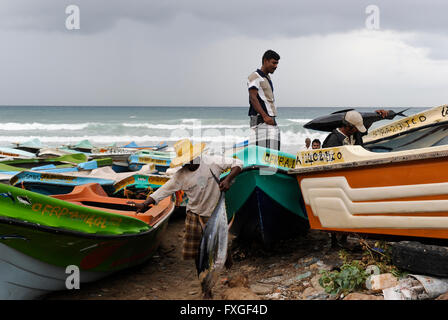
(73,159)
(264,200)
(41,236)
(55,165)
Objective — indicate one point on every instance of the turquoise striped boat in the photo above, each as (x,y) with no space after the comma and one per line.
(264,200)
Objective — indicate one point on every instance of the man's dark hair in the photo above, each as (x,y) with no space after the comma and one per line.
(268,55)
(316,140)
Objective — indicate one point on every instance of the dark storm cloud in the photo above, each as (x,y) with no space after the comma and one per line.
(261,18)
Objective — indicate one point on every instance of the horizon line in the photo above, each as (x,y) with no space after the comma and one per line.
(172,106)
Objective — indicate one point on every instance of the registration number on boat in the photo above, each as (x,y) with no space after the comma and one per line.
(319,157)
(151,160)
(89,219)
(280,161)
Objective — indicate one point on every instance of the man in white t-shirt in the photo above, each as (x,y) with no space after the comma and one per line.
(262,110)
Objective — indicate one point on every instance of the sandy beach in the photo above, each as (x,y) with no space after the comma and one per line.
(255,274)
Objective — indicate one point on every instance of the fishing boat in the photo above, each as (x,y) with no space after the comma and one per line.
(84,146)
(236,147)
(42,237)
(350,189)
(137,183)
(13,153)
(420,130)
(161,159)
(32,146)
(54,152)
(50,183)
(10,171)
(262,200)
(159,146)
(116,154)
(72,159)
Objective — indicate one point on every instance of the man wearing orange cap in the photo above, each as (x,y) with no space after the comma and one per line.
(195,178)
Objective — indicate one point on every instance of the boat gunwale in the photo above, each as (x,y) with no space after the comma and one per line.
(255,167)
(372,162)
(438,123)
(55,230)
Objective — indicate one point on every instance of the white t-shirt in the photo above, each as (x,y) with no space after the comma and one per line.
(199,186)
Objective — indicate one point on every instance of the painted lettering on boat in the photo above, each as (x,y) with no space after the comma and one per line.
(280,161)
(159,181)
(41,177)
(406,124)
(49,177)
(89,219)
(444,111)
(319,157)
(151,160)
(3,153)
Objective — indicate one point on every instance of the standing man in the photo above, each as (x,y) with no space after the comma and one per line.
(262,111)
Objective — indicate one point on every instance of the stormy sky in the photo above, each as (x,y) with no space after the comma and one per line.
(200,52)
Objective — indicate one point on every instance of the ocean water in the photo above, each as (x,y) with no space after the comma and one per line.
(219,127)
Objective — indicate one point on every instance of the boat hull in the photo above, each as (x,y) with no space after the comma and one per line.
(136,162)
(41,236)
(402,198)
(265,206)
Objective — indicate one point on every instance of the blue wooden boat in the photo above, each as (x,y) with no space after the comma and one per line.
(263,201)
(6,169)
(55,183)
(132,145)
(244,143)
(161,160)
(95,164)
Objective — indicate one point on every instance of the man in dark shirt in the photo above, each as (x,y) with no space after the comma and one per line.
(351,131)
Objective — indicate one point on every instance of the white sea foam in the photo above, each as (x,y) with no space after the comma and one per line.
(194,125)
(37,126)
(15,126)
(299,120)
(288,137)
